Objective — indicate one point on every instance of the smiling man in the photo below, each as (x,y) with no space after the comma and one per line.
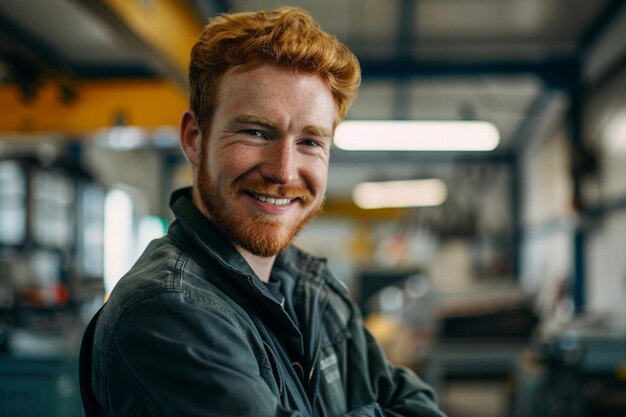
(223,316)
(261,169)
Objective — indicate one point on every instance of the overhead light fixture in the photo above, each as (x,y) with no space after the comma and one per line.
(393,194)
(396,135)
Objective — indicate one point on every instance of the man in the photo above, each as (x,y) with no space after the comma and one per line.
(223,317)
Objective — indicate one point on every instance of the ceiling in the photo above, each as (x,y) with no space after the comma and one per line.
(511,62)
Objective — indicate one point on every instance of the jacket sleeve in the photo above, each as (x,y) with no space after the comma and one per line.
(397,390)
(169,361)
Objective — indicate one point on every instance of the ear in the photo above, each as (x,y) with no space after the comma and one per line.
(190,138)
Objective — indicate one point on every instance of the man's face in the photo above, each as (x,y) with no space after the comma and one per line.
(264,161)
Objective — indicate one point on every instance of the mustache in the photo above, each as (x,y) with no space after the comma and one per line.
(264,187)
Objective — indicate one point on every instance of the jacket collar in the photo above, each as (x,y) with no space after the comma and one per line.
(212,240)
(205,235)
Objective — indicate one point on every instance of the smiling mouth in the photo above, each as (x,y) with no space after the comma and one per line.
(272,200)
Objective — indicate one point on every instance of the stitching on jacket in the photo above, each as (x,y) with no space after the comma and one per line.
(227,306)
(111,326)
(275,368)
(337,325)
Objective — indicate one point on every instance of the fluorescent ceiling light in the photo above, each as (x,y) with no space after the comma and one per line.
(390,135)
(412,193)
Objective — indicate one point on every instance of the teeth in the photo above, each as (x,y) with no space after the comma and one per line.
(270,200)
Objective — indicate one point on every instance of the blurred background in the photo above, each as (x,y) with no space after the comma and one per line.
(505,291)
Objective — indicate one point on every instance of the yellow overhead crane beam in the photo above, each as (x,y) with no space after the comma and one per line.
(99,104)
(160,31)
(169,27)
(347,209)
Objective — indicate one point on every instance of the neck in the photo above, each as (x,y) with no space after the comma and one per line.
(260,265)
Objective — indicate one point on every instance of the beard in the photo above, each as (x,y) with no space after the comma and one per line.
(261,234)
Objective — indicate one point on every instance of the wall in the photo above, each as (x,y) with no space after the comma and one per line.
(546,214)
(606,133)
(548,218)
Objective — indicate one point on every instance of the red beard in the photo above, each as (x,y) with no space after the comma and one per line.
(263,235)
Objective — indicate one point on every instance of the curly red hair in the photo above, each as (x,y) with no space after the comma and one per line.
(287,37)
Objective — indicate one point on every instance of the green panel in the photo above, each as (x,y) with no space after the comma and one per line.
(39,388)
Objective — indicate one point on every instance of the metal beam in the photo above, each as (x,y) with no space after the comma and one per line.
(341,208)
(536,113)
(100,104)
(555,73)
(162,32)
(211,8)
(29,61)
(222,6)
(575,129)
(598,26)
(341,157)
(404,42)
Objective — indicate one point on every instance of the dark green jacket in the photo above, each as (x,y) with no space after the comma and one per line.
(191,331)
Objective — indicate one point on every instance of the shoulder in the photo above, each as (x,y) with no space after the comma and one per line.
(173,330)
(156,271)
(166,281)
(163,302)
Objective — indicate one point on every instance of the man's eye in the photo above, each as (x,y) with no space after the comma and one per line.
(310,143)
(254,132)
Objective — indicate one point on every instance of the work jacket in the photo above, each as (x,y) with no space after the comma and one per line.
(192,331)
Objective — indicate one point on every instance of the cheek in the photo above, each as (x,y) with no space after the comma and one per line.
(317,176)
(228,165)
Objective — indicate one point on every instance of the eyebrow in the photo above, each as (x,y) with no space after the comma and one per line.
(254,119)
(264,121)
(317,131)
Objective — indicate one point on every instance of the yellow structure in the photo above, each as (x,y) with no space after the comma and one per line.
(99,104)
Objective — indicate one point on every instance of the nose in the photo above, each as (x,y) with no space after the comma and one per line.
(280,163)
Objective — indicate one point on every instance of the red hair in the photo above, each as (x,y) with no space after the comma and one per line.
(287,37)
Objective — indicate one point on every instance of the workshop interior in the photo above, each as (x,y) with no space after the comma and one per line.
(476,202)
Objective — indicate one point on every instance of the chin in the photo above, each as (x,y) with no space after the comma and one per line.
(270,240)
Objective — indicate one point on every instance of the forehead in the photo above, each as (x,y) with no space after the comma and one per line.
(278,93)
